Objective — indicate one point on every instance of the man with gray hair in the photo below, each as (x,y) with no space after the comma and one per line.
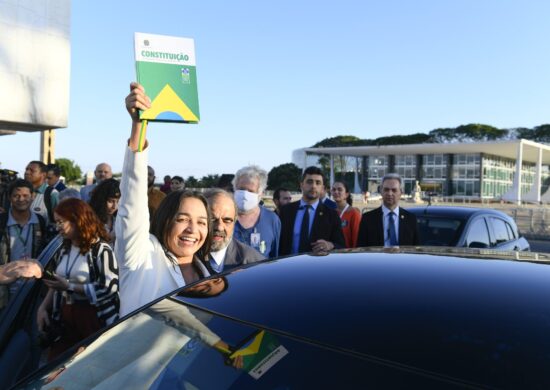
(388,225)
(256,226)
(225,251)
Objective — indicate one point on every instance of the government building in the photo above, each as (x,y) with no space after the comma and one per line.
(515,171)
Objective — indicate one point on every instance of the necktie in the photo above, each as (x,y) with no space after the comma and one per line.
(305,245)
(391,230)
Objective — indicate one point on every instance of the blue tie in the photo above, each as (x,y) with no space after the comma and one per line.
(305,245)
(391,230)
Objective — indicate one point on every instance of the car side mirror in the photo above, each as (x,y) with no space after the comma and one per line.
(477,244)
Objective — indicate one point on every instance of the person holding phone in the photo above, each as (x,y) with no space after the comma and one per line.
(83,291)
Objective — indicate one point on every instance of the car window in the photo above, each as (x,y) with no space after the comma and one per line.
(511,234)
(478,235)
(436,231)
(173,346)
(499,229)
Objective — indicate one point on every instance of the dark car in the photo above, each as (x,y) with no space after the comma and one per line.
(20,349)
(468,227)
(394,318)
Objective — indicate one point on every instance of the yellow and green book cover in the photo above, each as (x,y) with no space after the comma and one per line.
(166,68)
(260,352)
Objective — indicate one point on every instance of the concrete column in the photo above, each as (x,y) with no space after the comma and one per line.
(331,170)
(514,194)
(47,146)
(519,166)
(356,186)
(534,193)
(538,175)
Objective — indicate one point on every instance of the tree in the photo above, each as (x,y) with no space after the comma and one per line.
(69,169)
(542,133)
(340,140)
(191,182)
(209,181)
(285,175)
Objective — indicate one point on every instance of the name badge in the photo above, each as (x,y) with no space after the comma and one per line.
(255,240)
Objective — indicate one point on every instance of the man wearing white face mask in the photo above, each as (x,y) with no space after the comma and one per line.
(256,226)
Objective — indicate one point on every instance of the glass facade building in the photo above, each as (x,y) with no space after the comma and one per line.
(476,175)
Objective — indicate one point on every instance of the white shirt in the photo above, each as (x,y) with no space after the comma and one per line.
(219,257)
(386,223)
(74,267)
(145,270)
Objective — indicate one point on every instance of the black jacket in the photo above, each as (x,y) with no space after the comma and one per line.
(326,226)
(371,228)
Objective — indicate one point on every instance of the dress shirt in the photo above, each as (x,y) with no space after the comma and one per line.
(298,223)
(386,222)
(217,259)
(21,237)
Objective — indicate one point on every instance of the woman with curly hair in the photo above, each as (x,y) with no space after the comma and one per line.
(83,292)
(104,202)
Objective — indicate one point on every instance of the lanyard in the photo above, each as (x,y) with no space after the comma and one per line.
(67,268)
(19,229)
(343,211)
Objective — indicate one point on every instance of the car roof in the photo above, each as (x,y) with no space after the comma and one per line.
(385,304)
(455,211)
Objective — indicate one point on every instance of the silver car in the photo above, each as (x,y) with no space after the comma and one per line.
(468,227)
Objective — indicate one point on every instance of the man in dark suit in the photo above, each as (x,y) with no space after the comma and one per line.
(225,251)
(388,225)
(308,225)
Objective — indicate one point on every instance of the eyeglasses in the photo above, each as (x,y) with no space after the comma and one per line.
(59,223)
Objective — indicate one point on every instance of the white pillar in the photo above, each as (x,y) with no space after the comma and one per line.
(331,170)
(534,193)
(356,185)
(514,194)
(519,166)
(538,175)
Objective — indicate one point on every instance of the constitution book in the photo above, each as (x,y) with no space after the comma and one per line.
(165,66)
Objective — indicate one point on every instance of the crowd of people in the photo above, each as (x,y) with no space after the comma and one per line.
(118,245)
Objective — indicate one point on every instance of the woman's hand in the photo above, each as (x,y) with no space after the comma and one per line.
(59,283)
(223,347)
(137,100)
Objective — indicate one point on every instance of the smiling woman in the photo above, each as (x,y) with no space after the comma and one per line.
(173,252)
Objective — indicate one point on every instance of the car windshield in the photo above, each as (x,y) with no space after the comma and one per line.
(439,231)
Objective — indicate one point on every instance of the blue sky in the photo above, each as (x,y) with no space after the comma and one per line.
(277,76)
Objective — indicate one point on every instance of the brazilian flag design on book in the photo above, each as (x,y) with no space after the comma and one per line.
(166,68)
(260,352)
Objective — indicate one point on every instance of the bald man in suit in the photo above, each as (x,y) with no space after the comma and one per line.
(388,225)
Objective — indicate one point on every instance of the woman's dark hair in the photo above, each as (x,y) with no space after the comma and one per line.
(349,198)
(109,188)
(87,225)
(165,217)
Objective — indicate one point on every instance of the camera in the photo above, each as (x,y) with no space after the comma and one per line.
(6,177)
